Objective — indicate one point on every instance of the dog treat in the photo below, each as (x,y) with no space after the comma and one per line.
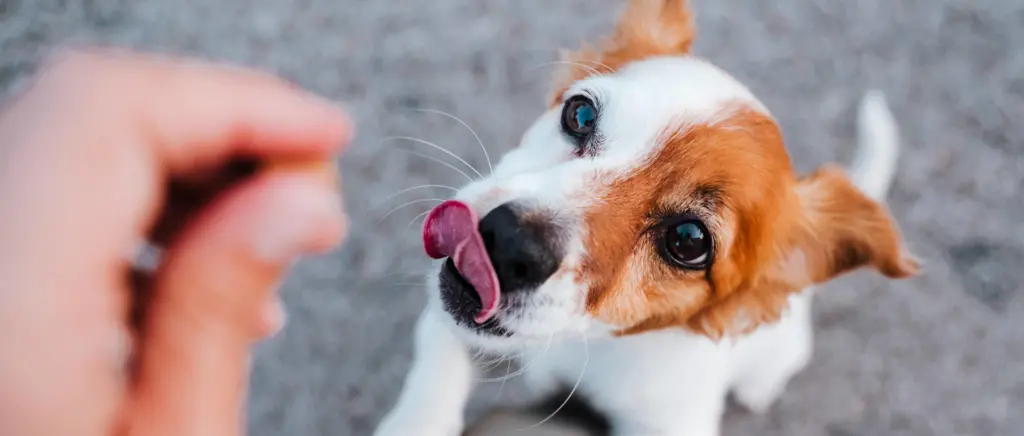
(450,230)
(187,196)
(322,167)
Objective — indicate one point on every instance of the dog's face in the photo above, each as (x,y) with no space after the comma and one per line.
(655,192)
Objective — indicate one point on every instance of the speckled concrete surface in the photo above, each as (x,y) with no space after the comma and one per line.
(937,355)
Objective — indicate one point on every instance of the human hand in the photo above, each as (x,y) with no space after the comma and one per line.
(86,156)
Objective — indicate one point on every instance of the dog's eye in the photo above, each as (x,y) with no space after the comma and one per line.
(688,244)
(579,118)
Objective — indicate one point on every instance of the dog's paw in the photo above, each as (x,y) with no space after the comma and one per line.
(421,425)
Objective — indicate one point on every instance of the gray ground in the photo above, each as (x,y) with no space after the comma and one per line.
(935,355)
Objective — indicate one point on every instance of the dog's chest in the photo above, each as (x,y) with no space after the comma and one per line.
(629,372)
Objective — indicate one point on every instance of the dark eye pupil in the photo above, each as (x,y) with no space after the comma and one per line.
(688,243)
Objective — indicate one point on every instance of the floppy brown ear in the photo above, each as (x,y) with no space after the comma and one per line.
(843,230)
(646,28)
(834,228)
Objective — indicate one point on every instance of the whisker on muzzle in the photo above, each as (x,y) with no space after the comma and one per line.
(473,132)
(437,147)
(429,157)
(406,204)
(586,360)
(410,189)
(524,368)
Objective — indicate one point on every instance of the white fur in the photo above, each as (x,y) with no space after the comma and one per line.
(637,104)
(667,382)
(437,385)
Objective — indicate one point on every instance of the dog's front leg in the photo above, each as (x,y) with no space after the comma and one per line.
(437,386)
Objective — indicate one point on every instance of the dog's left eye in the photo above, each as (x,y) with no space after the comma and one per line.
(687,244)
(579,118)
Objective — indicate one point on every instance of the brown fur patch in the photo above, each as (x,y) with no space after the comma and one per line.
(846,230)
(647,28)
(743,162)
(773,234)
(834,229)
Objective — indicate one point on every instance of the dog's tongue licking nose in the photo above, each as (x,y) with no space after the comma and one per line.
(450,230)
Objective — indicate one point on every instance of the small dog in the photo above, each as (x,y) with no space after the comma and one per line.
(647,244)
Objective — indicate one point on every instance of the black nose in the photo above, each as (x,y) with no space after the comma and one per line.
(524,252)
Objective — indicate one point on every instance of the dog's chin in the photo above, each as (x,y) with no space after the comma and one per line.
(462,302)
(506,330)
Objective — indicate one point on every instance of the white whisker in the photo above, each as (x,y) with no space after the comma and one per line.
(494,363)
(487,365)
(478,141)
(508,370)
(427,156)
(421,215)
(481,353)
(431,144)
(586,353)
(610,69)
(588,68)
(525,368)
(422,200)
(382,202)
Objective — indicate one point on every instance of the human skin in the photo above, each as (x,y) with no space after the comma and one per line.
(86,154)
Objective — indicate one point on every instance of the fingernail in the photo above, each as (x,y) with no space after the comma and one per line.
(309,220)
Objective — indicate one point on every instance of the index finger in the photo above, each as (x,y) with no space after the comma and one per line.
(196,114)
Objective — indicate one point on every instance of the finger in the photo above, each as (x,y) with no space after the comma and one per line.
(196,114)
(124,124)
(208,305)
(185,196)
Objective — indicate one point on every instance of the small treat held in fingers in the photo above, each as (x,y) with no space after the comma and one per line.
(321,167)
(186,196)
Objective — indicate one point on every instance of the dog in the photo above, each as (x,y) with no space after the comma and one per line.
(648,244)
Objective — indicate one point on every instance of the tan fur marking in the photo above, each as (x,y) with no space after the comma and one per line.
(783,234)
(741,158)
(774,234)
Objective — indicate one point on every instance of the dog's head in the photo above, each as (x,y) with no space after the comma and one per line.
(655,192)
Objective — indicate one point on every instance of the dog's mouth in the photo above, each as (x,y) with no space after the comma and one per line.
(462,302)
(452,273)
(450,231)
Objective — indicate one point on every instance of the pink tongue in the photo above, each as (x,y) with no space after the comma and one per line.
(450,230)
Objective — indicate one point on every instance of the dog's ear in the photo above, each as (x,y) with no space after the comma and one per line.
(645,29)
(842,229)
(834,228)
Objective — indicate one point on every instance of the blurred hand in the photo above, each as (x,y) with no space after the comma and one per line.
(86,158)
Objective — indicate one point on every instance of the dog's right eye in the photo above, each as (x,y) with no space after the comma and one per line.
(579,120)
(687,244)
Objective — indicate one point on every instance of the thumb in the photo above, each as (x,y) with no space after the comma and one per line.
(209,301)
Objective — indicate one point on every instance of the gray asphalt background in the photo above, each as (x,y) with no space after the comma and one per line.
(936,355)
